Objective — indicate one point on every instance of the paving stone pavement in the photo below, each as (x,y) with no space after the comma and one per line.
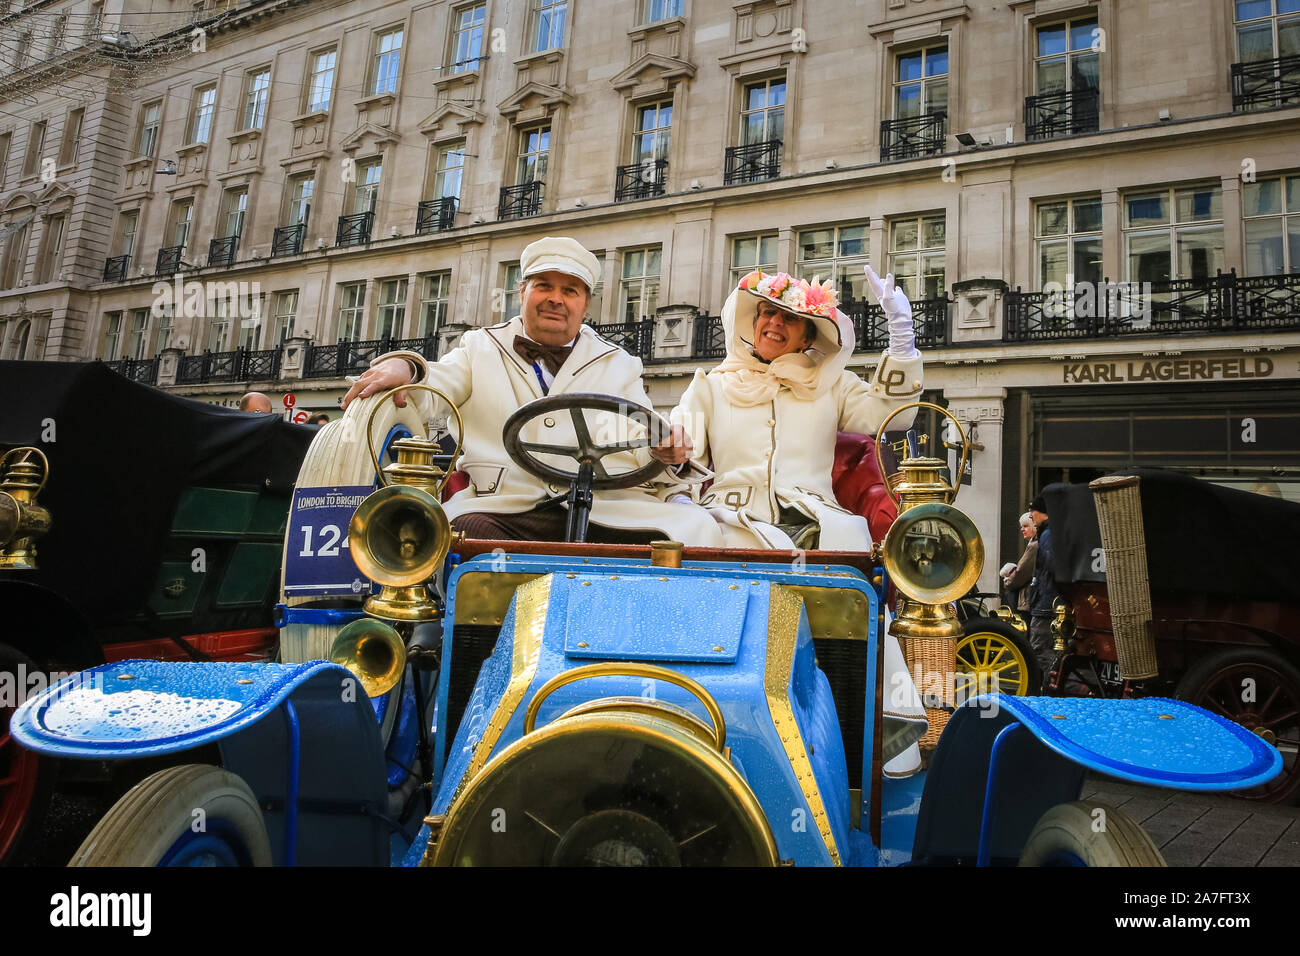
(1202,829)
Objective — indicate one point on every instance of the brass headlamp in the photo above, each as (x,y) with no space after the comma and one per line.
(22,519)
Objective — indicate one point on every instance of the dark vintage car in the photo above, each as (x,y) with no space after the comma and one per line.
(1223,577)
(168,517)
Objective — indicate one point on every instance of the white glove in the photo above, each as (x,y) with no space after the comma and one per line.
(1007,569)
(683,499)
(898,312)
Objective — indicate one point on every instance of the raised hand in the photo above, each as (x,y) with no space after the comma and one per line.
(387,374)
(881,289)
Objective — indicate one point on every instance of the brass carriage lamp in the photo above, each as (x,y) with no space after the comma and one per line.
(22,518)
(934,554)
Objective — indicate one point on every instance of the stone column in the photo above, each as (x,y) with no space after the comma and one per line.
(169,365)
(293,356)
(674,331)
(979,310)
(980,409)
(1234,251)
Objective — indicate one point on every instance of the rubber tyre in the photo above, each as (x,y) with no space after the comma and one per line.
(1066,831)
(1010,636)
(1198,681)
(23,803)
(149,819)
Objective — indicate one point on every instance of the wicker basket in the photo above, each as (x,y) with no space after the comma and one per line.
(927,658)
(1119,513)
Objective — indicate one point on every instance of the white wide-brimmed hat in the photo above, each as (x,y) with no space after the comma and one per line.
(560,254)
(815,301)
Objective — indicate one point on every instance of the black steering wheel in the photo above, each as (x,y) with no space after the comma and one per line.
(591,474)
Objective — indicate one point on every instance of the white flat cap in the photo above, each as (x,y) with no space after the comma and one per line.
(560,254)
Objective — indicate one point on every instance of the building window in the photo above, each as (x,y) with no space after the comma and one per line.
(250,328)
(1267,29)
(112,336)
(182,217)
(434,298)
(392,309)
(301,190)
(749,253)
(234,206)
(762,118)
(1067,240)
(352,312)
(201,113)
(320,81)
(218,326)
(50,256)
(639,290)
(1271,209)
(137,339)
(534,151)
(656,10)
(16,255)
(1065,60)
(5,140)
(126,226)
(467,37)
(916,256)
(449,167)
(511,298)
(166,326)
(548,24)
(257,90)
(286,311)
(1174,233)
(921,83)
(837,253)
(386,63)
(150,119)
(71,144)
(56,37)
(653,132)
(369,174)
(35,146)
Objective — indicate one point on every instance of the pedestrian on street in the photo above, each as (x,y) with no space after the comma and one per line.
(1044,592)
(1017,576)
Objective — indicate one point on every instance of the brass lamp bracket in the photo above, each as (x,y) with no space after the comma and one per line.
(415,455)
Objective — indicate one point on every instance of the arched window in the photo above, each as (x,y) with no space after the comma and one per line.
(21,338)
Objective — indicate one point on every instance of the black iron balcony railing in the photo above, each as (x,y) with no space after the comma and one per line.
(348,358)
(261,363)
(522,200)
(1266,83)
(1049,115)
(871,327)
(144,371)
(640,180)
(752,163)
(709,341)
(354,230)
(435,215)
(288,240)
(914,136)
(115,268)
(221,252)
(239,365)
(1224,302)
(636,338)
(169,260)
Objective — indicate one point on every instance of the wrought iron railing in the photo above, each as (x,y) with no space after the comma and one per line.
(708,340)
(434,215)
(752,163)
(288,240)
(169,260)
(1049,115)
(221,252)
(115,268)
(640,180)
(522,200)
(348,358)
(354,230)
(1266,83)
(239,365)
(637,338)
(1224,302)
(144,371)
(914,136)
(261,363)
(871,327)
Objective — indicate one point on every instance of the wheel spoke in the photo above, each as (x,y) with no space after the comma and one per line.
(543,449)
(603,450)
(585,445)
(1289,715)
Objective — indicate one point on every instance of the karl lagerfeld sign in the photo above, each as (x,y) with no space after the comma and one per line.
(1167,370)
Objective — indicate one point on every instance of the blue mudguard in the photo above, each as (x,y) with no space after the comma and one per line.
(1153,741)
(149,708)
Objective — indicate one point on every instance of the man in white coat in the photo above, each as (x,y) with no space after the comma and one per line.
(546,350)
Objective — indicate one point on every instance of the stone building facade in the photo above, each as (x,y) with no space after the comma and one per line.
(1095,204)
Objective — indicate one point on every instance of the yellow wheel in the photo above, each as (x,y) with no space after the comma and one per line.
(995,657)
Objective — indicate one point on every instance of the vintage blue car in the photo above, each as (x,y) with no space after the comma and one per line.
(581,704)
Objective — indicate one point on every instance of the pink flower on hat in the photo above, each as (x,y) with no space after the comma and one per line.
(821,297)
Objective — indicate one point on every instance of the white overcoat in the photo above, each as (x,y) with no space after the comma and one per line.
(489,381)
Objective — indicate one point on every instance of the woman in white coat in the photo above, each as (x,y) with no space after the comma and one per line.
(765,420)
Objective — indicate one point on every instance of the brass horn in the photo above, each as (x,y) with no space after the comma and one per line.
(373,651)
(22,519)
(399,537)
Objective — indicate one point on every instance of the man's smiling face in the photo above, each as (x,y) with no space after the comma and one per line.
(777,332)
(553,306)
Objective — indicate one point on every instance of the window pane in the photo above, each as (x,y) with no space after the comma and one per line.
(1052,262)
(909,66)
(1261,198)
(936,96)
(1081,35)
(932,233)
(1251,9)
(1288,38)
(1086,73)
(1053,219)
(1146,210)
(1087,215)
(1264,248)
(853,241)
(768,250)
(634,263)
(1200,253)
(776,93)
(936,62)
(903,235)
(1148,258)
(1049,76)
(756,97)
(1255,43)
(1288,6)
(652,262)
(1293,244)
(908,102)
(1051,40)
(817,244)
(1087,260)
(1199,203)
(744,252)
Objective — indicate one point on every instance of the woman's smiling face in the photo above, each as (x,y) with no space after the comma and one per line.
(777,332)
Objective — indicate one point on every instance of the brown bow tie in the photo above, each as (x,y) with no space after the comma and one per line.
(552,356)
